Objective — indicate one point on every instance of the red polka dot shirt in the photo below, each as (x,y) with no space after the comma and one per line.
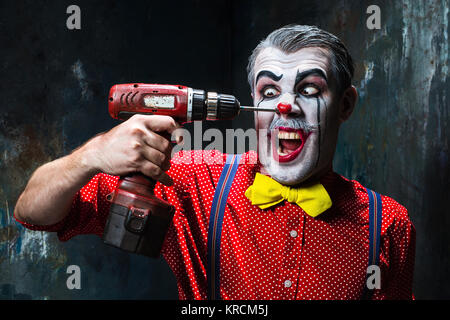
(276,253)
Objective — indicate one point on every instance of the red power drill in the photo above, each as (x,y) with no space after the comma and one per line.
(138,221)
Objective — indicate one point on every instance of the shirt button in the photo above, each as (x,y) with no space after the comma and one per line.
(287,283)
(293,233)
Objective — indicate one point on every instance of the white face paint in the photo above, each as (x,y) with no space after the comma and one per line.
(300,145)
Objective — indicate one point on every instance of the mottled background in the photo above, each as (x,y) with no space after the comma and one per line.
(54,85)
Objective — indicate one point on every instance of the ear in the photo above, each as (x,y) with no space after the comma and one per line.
(347,103)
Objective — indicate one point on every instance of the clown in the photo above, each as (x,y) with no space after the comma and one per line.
(291,228)
(300,77)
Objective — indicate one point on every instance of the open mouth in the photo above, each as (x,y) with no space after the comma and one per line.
(287,143)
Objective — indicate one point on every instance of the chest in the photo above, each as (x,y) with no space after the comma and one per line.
(281,252)
(286,254)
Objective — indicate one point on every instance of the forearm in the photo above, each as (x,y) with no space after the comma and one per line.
(49,193)
(132,146)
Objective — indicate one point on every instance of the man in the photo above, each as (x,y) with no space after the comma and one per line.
(279,248)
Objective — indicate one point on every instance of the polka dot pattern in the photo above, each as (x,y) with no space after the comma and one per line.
(276,253)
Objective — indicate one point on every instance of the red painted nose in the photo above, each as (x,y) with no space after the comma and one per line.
(284,108)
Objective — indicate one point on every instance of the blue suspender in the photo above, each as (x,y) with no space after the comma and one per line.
(375,209)
(216,219)
(374,226)
(215,224)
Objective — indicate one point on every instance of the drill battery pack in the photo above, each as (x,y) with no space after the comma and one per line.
(138,221)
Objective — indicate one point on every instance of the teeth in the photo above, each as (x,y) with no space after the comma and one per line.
(288,135)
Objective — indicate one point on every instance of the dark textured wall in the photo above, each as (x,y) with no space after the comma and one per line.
(54,84)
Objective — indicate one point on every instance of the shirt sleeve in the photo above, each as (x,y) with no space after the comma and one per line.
(399,251)
(88,212)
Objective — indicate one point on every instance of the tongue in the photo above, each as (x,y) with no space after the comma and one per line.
(290,144)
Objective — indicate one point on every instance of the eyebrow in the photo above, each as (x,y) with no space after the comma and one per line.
(269,74)
(302,75)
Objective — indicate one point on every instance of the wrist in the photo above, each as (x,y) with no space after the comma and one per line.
(86,158)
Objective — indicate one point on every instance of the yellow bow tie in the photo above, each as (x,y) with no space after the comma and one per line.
(266,192)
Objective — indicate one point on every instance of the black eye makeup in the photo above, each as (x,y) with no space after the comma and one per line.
(310,83)
(269,92)
(309,90)
(268,74)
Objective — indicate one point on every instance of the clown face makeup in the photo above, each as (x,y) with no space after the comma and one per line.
(298,142)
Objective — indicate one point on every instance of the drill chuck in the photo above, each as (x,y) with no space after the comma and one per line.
(213,106)
(228,107)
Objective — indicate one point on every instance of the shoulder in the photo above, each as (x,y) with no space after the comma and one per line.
(202,165)
(189,167)
(395,216)
(190,161)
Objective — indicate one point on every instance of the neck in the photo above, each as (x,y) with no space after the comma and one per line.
(316,177)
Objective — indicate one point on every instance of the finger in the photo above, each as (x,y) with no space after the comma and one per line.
(153,171)
(157,157)
(160,123)
(156,141)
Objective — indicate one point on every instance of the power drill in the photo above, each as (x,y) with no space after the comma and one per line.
(138,220)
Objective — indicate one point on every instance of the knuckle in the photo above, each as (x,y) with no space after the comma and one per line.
(165,144)
(137,157)
(136,131)
(155,171)
(162,158)
(136,145)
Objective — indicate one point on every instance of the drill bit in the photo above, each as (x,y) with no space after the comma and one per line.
(251,108)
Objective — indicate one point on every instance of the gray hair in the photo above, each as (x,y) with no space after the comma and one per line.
(292,38)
